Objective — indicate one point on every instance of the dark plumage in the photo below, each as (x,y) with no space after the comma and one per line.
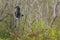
(17,11)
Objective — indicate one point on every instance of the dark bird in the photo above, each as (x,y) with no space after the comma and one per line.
(17,12)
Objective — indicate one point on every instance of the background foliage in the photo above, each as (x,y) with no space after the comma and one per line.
(34,25)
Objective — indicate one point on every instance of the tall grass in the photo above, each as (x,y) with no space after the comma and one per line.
(37,31)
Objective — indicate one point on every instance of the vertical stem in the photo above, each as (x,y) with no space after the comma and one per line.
(54,12)
(17,24)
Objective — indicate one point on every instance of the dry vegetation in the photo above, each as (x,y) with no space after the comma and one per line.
(41,20)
